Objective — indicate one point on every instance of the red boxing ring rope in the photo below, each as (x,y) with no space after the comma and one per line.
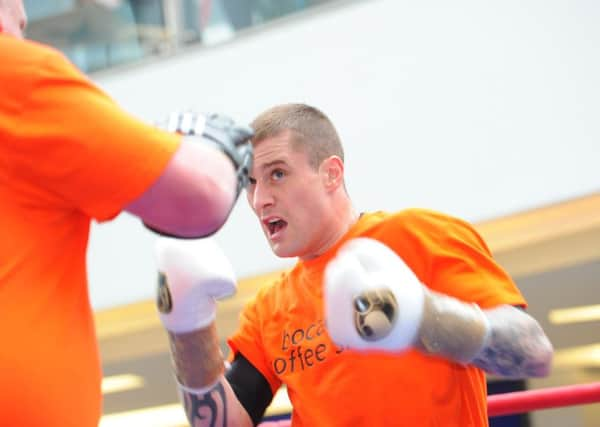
(519,402)
(524,401)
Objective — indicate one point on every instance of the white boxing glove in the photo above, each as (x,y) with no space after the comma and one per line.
(193,273)
(373,300)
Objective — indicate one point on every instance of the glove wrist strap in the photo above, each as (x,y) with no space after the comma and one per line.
(452,328)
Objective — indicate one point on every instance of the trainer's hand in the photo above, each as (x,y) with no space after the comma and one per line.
(192,275)
(373,300)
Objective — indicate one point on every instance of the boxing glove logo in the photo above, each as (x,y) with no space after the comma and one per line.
(163,296)
(375,314)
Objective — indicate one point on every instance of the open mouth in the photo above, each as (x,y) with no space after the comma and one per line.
(275,225)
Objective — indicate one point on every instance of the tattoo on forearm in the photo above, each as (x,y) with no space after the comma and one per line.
(207,409)
(516,347)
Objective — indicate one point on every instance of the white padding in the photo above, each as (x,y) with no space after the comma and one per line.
(198,272)
(365,264)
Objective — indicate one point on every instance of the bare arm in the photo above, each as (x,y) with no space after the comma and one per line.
(193,195)
(516,345)
(198,361)
(216,407)
(193,275)
(503,341)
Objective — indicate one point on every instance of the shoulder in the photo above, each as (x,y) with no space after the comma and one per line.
(424,217)
(27,55)
(429,222)
(423,230)
(27,48)
(33,68)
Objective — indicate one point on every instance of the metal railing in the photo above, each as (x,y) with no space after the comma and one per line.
(101,34)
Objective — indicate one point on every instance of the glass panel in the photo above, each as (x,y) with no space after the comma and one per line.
(97,34)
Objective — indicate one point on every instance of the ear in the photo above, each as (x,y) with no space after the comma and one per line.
(332,173)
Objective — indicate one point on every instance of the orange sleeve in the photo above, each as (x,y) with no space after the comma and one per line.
(73,147)
(459,262)
(248,341)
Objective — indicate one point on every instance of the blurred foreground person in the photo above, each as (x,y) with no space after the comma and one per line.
(70,155)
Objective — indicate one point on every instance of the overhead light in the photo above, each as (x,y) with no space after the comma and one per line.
(584,313)
(582,356)
(118,383)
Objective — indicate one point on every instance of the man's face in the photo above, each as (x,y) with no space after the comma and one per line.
(12,17)
(288,197)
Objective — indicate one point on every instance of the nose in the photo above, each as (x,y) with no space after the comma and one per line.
(260,197)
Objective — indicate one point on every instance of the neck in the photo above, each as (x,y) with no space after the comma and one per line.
(337,226)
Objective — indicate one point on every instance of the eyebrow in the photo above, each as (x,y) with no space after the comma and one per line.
(273,163)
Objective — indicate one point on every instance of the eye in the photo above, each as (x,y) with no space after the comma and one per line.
(251,181)
(277,174)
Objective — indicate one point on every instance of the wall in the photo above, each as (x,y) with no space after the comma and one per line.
(478,109)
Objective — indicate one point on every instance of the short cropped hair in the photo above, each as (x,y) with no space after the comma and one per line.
(312,131)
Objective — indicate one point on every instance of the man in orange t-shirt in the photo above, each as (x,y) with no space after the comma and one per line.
(409,388)
(385,320)
(69,154)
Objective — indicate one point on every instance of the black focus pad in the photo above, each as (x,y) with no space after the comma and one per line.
(250,387)
(234,140)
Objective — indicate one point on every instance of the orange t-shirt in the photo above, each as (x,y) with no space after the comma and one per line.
(68,154)
(282,333)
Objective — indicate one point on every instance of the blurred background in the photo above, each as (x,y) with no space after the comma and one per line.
(483,110)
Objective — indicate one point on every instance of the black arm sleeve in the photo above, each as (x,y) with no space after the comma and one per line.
(250,387)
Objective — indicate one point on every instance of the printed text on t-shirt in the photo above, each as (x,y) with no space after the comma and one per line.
(302,348)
